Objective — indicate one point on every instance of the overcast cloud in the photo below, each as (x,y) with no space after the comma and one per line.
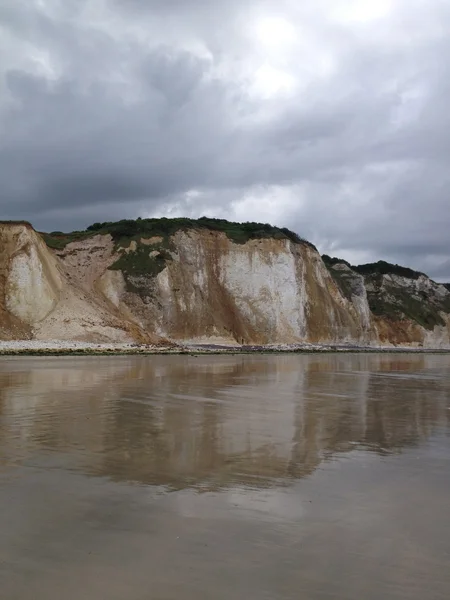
(329,117)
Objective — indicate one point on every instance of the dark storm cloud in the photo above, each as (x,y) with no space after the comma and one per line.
(115,109)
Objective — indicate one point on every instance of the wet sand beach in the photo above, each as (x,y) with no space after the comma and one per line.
(249,476)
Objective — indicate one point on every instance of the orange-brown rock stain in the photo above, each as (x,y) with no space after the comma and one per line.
(201,306)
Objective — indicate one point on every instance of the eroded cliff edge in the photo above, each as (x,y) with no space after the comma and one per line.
(206,281)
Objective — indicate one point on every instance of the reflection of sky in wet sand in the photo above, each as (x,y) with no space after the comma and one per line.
(256,477)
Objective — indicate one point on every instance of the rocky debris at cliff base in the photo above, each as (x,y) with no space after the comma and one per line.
(64,347)
(69,347)
(305,347)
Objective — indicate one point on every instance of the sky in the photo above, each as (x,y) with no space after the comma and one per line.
(329,117)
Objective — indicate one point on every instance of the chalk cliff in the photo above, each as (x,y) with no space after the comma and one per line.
(206,281)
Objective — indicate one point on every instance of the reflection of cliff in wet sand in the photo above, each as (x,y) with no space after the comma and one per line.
(212,422)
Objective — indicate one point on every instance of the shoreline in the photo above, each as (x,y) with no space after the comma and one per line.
(66,348)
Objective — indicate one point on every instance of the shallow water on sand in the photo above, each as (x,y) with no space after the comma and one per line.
(225,477)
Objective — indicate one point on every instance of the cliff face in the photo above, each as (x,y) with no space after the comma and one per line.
(201,285)
(47,296)
(29,280)
(263,291)
(405,307)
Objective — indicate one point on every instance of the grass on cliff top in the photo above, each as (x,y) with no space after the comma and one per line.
(120,231)
(384,268)
(330,261)
(27,223)
(378,268)
(57,240)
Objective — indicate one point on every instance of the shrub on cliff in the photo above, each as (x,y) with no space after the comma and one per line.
(164,227)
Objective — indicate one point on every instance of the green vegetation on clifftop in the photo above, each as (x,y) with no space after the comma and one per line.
(380,268)
(384,268)
(239,233)
(120,231)
(57,240)
(330,261)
